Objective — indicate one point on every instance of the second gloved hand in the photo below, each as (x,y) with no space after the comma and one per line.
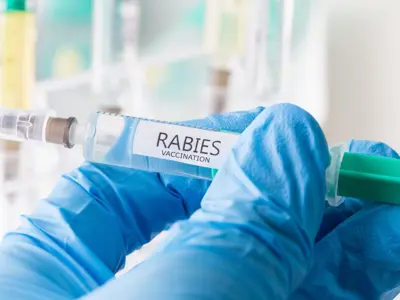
(358,247)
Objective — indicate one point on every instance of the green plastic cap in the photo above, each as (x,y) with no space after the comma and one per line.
(214,172)
(19,5)
(369,177)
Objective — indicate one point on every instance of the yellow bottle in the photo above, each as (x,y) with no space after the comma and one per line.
(17,59)
(17,69)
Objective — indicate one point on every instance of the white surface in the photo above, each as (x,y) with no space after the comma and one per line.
(364,68)
(364,71)
(306,86)
(305,83)
(40,166)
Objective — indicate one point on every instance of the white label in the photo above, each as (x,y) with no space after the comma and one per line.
(188,145)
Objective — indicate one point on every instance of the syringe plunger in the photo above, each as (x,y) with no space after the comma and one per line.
(58,131)
(20,125)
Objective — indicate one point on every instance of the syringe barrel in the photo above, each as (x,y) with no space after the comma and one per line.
(173,148)
(182,149)
(20,125)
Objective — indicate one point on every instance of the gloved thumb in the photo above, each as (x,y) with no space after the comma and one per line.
(253,236)
(269,197)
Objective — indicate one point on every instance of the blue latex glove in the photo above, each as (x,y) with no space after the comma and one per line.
(254,234)
(252,239)
(79,236)
(358,247)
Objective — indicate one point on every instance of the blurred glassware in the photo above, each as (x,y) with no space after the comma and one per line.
(225,27)
(105,89)
(18,37)
(173,90)
(171,26)
(130,16)
(18,27)
(276,36)
(64,38)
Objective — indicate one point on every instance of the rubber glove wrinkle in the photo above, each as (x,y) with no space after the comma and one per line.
(356,254)
(287,154)
(192,190)
(264,207)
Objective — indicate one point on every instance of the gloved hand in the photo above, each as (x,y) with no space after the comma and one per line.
(260,221)
(358,247)
(254,235)
(79,236)
(253,238)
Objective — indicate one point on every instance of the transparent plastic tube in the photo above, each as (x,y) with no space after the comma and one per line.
(332,174)
(154,146)
(19,125)
(173,148)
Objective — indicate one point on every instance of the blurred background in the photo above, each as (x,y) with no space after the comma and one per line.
(184,59)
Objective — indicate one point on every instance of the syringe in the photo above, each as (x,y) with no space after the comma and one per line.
(186,150)
(126,141)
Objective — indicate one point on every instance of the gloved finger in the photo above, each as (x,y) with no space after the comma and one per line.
(114,210)
(189,190)
(253,236)
(192,190)
(333,216)
(359,259)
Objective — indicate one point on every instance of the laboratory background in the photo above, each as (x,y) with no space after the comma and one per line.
(177,60)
